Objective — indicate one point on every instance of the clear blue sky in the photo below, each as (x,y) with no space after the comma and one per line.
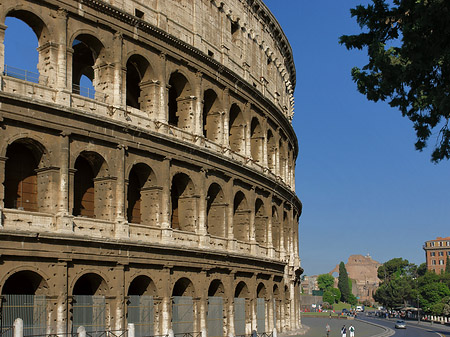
(363,187)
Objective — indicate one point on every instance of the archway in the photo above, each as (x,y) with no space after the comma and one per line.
(256,140)
(241,218)
(215,319)
(183,203)
(142,196)
(24,296)
(261,310)
(88,302)
(236,133)
(20,183)
(140,305)
(242,311)
(260,222)
(275,229)
(183,307)
(139,74)
(180,103)
(211,116)
(216,211)
(271,152)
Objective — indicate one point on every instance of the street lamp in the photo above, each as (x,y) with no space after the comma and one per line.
(418,310)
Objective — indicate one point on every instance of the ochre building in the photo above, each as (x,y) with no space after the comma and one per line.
(437,254)
(163,196)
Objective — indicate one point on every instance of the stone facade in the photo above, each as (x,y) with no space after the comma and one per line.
(363,271)
(173,179)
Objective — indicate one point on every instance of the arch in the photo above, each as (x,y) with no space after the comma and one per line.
(183,287)
(25,282)
(142,196)
(256,140)
(271,151)
(180,103)
(261,291)
(241,290)
(212,121)
(29,58)
(142,285)
(241,217)
(216,288)
(87,56)
(216,210)
(183,203)
(89,166)
(261,309)
(260,222)
(275,229)
(21,190)
(236,134)
(139,72)
(278,305)
(90,284)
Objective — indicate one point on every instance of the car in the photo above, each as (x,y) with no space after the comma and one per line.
(400,325)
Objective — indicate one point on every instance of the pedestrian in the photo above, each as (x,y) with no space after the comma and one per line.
(352,331)
(344,331)
(328,329)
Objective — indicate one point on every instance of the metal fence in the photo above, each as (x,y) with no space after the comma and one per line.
(88,92)
(260,315)
(89,312)
(22,74)
(239,316)
(31,309)
(141,314)
(182,315)
(214,319)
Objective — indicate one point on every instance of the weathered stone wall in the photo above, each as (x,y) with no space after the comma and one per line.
(179,169)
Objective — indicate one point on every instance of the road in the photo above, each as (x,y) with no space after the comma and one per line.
(412,328)
(365,329)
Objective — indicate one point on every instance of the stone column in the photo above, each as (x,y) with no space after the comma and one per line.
(122,228)
(164,91)
(2,186)
(198,105)
(202,216)
(230,214)
(61,21)
(61,289)
(165,199)
(247,134)
(269,314)
(119,90)
(166,302)
(226,118)
(202,304)
(230,308)
(2,47)
(63,215)
(270,244)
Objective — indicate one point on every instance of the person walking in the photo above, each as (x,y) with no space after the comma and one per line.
(328,329)
(344,331)
(352,331)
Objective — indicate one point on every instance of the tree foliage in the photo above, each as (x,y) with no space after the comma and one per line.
(343,282)
(325,281)
(332,295)
(408,46)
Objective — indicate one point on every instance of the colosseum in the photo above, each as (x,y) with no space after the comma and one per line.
(160,199)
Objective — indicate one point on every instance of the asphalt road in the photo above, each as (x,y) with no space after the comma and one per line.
(413,329)
(317,327)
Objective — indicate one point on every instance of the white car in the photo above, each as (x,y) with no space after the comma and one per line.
(400,325)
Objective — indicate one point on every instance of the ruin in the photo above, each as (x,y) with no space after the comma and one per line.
(163,195)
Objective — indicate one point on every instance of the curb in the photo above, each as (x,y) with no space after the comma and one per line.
(387,331)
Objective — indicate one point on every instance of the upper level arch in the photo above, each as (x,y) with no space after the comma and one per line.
(236,133)
(139,73)
(212,116)
(183,203)
(180,102)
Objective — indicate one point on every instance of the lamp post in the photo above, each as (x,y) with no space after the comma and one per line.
(418,310)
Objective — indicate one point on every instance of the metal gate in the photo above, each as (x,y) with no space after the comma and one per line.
(182,315)
(88,311)
(239,316)
(31,309)
(260,315)
(214,318)
(140,312)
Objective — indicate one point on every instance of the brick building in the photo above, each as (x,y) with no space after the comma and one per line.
(436,253)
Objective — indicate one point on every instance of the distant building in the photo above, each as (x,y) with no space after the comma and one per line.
(308,284)
(363,271)
(436,253)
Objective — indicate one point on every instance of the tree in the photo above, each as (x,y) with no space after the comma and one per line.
(325,281)
(408,45)
(392,267)
(343,282)
(447,265)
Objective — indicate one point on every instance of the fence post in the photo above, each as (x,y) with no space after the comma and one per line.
(18,327)
(131,332)
(81,331)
